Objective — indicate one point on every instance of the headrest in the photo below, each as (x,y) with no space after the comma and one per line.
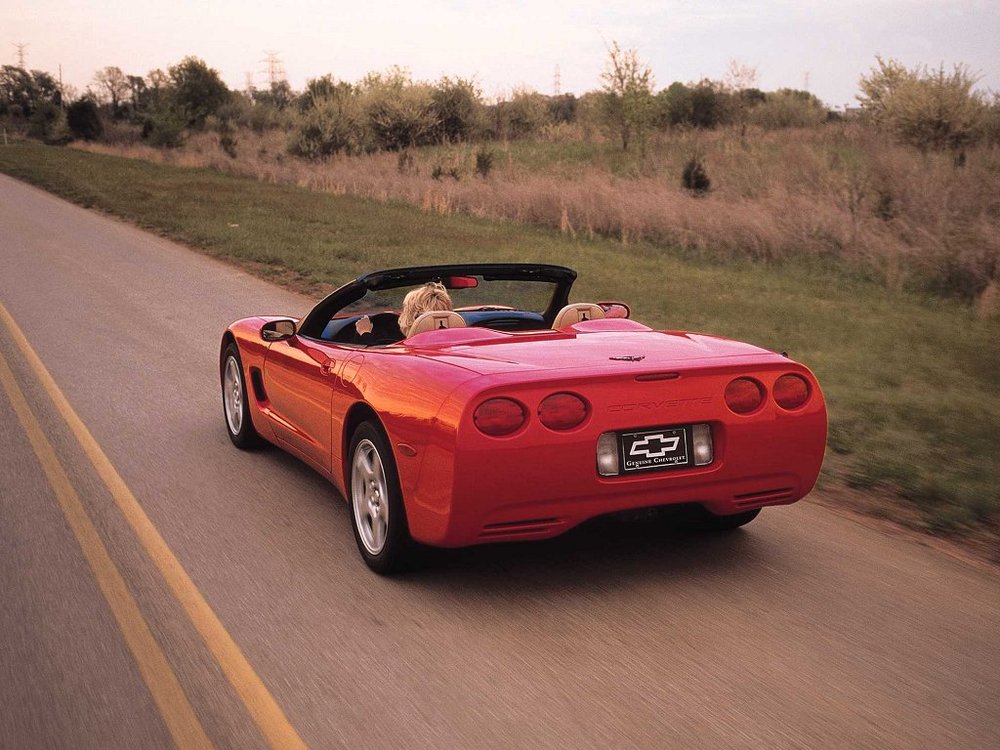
(434,320)
(576,313)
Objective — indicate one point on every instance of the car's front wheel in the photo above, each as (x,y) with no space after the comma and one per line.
(235,406)
(377,512)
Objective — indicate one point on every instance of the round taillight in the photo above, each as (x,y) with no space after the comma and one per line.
(744,395)
(791,391)
(562,411)
(499,416)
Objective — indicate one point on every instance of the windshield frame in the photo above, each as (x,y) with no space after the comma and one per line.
(315,322)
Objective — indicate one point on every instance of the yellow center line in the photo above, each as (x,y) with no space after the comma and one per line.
(176,710)
(260,704)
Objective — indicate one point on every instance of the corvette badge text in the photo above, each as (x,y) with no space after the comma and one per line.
(668,403)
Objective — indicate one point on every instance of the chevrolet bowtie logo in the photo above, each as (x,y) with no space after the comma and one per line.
(654,446)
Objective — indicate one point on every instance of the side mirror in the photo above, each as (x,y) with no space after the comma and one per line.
(277,330)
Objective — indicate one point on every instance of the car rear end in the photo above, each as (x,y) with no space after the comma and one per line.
(534,456)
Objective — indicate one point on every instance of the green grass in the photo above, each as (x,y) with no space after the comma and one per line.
(912,382)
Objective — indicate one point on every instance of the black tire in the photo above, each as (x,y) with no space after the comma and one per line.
(378,516)
(712,522)
(235,401)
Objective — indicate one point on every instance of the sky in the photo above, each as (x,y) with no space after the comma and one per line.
(821,45)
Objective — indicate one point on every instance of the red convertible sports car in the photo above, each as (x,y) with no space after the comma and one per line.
(517,415)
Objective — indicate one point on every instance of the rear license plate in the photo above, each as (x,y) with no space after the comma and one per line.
(650,450)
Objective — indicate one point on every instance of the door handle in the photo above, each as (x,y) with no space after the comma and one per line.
(328,368)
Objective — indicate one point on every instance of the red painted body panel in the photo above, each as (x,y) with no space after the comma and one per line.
(462,487)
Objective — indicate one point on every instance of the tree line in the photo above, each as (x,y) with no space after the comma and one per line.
(389,111)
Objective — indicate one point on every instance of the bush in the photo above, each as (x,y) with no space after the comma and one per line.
(991,122)
(929,109)
(788,108)
(694,178)
(48,123)
(228,142)
(522,115)
(401,116)
(484,162)
(701,105)
(562,109)
(456,105)
(164,128)
(84,120)
(332,123)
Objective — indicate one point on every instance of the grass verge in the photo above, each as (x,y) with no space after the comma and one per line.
(911,382)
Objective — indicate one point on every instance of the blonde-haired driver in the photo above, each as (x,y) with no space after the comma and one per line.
(431,297)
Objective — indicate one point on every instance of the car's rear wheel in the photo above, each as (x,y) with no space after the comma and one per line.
(235,405)
(377,512)
(712,522)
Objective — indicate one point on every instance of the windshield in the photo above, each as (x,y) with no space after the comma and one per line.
(487,294)
(369,311)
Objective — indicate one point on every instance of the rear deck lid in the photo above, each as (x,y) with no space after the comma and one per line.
(599,346)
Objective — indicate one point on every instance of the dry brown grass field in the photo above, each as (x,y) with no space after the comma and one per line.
(839,191)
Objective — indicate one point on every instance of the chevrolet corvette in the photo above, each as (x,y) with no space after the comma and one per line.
(517,415)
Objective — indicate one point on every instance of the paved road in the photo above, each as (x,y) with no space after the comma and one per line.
(807,629)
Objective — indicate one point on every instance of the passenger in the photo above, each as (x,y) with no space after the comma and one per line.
(431,297)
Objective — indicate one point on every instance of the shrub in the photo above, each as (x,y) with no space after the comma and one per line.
(702,105)
(404,162)
(562,109)
(333,123)
(48,123)
(84,120)
(164,128)
(694,178)
(787,108)
(457,107)
(401,116)
(441,170)
(522,115)
(929,109)
(484,162)
(991,122)
(227,141)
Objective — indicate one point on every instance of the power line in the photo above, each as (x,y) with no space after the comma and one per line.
(20,53)
(557,82)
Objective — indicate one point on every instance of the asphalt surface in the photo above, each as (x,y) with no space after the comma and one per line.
(806,629)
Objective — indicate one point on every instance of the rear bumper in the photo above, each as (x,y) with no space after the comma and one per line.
(527,490)
(467,488)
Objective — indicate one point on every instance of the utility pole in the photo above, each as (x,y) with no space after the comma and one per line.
(250,86)
(557,82)
(20,53)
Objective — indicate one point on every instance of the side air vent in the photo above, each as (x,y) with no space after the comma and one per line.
(257,381)
(519,528)
(767,497)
